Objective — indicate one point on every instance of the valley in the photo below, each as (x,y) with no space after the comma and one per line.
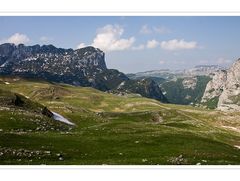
(111,129)
(65,107)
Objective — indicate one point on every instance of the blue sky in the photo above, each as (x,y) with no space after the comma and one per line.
(134,44)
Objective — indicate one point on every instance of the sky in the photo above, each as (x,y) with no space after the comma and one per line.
(134,43)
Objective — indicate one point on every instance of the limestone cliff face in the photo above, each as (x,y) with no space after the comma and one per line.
(225,89)
(230,97)
(80,67)
(189,83)
(215,87)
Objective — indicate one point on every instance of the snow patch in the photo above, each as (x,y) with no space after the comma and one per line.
(7,83)
(237,146)
(60,118)
(120,85)
(3,65)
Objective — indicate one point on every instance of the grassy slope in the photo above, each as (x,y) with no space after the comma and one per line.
(113,130)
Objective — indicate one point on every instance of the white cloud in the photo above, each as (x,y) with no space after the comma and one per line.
(145,30)
(152,44)
(178,45)
(109,38)
(139,47)
(81,45)
(17,38)
(161,30)
(223,61)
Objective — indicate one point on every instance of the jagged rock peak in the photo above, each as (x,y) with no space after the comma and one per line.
(82,67)
(51,63)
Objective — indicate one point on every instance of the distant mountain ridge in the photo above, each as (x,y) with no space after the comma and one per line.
(198,70)
(203,70)
(80,67)
(185,86)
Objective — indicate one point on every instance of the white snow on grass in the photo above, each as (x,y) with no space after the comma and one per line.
(60,118)
(237,146)
(7,83)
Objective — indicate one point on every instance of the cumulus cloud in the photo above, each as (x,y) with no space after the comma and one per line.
(109,38)
(17,39)
(178,45)
(139,47)
(152,44)
(161,30)
(145,29)
(81,45)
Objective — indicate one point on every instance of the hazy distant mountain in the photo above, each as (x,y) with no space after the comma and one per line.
(203,70)
(181,86)
(174,74)
(161,73)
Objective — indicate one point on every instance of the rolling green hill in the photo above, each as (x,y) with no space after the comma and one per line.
(110,129)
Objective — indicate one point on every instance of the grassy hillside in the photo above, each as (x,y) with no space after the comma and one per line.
(112,129)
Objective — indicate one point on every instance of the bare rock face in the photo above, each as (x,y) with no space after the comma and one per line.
(47,112)
(225,88)
(230,97)
(189,83)
(81,67)
(69,66)
(215,87)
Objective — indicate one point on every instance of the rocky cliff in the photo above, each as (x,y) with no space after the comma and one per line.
(77,67)
(223,91)
(81,67)
(230,97)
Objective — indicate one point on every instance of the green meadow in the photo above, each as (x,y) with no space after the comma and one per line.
(110,129)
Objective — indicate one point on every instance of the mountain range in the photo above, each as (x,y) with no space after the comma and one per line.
(63,106)
(210,86)
(181,86)
(82,67)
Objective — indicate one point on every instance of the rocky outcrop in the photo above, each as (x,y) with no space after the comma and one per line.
(77,67)
(47,112)
(81,67)
(225,89)
(189,83)
(215,87)
(230,97)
